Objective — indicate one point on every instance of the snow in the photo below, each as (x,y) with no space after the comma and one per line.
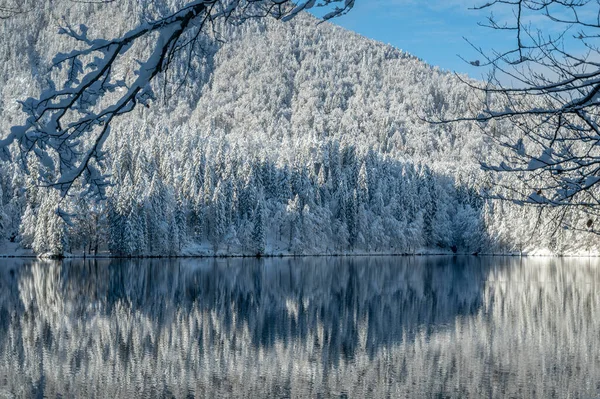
(287,138)
(544,160)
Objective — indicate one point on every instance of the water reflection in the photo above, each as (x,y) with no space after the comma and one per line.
(312,327)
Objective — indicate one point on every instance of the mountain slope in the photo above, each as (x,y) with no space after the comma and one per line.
(286,138)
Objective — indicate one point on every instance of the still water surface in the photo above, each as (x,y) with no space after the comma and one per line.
(311,327)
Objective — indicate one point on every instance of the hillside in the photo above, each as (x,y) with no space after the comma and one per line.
(285,138)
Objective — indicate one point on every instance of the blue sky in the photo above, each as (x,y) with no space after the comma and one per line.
(433,30)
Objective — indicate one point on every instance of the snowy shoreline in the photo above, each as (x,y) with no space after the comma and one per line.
(272,256)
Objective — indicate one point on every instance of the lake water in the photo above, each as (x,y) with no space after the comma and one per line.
(313,327)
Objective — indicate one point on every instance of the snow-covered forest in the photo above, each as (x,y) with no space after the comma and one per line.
(284,138)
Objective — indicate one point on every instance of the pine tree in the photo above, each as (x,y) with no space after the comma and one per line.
(219,218)
(294,225)
(363,185)
(259,234)
(28,227)
(352,218)
(58,239)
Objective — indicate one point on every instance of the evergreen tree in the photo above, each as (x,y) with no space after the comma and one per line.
(258,234)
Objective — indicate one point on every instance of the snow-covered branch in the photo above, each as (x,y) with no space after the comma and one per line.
(68,123)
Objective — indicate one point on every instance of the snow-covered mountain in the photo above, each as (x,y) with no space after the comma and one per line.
(291,137)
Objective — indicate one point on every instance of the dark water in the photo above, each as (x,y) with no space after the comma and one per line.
(315,327)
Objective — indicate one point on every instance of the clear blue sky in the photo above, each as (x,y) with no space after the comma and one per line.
(432,30)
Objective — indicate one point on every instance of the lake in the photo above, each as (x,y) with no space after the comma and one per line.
(301,327)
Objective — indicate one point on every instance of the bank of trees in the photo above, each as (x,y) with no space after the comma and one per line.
(337,200)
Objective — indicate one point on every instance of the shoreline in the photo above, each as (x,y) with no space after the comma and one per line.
(273,256)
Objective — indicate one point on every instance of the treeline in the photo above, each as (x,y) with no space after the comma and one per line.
(225,201)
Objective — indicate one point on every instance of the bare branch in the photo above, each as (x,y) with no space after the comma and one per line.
(550,133)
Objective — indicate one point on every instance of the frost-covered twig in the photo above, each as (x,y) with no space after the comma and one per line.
(69,122)
(540,104)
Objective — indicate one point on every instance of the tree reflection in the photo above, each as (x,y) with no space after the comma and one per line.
(296,327)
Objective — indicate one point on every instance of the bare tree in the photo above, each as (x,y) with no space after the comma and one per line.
(541,101)
(68,123)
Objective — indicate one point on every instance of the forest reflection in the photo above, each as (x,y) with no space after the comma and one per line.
(300,327)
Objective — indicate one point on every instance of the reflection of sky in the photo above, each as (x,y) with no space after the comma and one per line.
(435,30)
